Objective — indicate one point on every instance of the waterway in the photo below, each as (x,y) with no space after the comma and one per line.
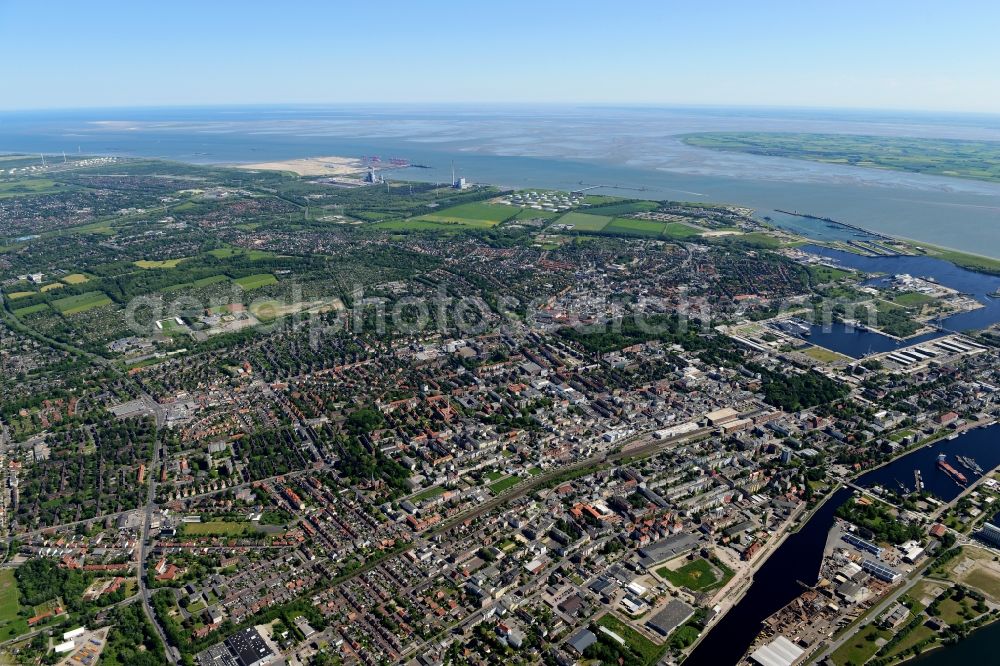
(637,151)
(799,557)
(857,342)
(977,285)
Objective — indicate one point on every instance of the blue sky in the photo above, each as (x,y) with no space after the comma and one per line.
(872,54)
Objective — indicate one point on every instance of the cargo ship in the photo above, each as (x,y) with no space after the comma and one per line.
(969,464)
(955,475)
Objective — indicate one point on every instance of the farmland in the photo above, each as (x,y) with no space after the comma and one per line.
(81,302)
(75,278)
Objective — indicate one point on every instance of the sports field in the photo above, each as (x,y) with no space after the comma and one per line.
(81,302)
(75,278)
(696,575)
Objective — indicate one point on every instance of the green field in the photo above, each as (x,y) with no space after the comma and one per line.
(419,224)
(584,221)
(31,309)
(623,208)
(215,528)
(211,279)
(979,160)
(9,594)
(19,294)
(697,575)
(165,263)
(624,226)
(860,648)
(81,303)
(52,286)
(825,274)
(912,299)
(498,487)
(229,252)
(478,215)
(256,281)
(535,214)
(11,624)
(75,278)
(32,186)
(433,491)
(824,355)
(647,651)
(680,231)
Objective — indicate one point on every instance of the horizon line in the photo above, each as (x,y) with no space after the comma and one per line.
(506,104)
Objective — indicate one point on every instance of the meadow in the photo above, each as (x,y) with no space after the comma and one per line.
(81,302)
(256,281)
(31,186)
(163,263)
(476,214)
(628,227)
(585,221)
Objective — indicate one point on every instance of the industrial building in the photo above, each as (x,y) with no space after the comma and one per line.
(779,652)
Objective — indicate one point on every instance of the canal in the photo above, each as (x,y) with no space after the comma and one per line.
(798,558)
